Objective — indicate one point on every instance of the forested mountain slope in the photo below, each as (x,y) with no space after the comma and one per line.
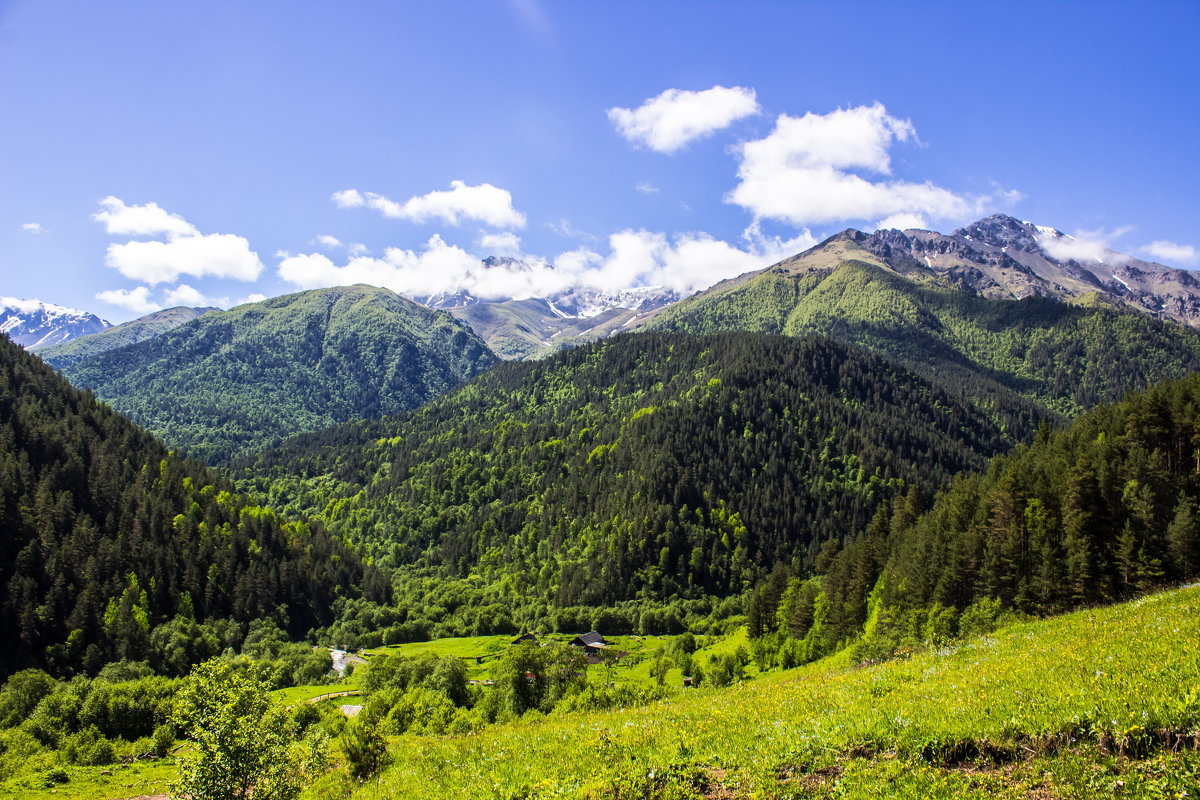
(654,466)
(236,381)
(1065,356)
(1106,509)
(64,355)
(111,547)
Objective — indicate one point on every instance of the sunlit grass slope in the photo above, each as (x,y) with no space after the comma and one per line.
(1090,704)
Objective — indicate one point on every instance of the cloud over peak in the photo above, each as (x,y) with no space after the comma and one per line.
(803,172)
(484,203)
(671,120)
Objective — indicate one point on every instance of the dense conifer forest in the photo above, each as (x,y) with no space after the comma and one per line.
(114,548)
(1104,510)
(647,475)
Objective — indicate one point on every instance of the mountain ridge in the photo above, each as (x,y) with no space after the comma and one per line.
(137,330)
(234,380)
(35,324)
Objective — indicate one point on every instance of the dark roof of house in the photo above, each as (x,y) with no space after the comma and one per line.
(588,638)
(527,637)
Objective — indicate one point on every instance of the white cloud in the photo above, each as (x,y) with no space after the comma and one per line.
(256,297)
(438,267)
(357,249)
(903,221)
(136,300)
(672,119)
(1184,254)
(146,220)
(184,295)
(328,241)
(348,198)
(185,252)
(686,263)
(801,172)
(217,255)
(1083,246)
(33,227)
(484,203)
(501,244)
(646,188)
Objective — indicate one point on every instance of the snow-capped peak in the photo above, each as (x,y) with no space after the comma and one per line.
(36,323)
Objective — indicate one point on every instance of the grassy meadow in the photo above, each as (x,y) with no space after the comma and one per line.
(1103,702)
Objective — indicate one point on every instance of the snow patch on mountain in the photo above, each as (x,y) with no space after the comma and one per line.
(36,323)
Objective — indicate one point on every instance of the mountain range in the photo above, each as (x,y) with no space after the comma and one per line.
(234,381)
(78,348)
(34,323)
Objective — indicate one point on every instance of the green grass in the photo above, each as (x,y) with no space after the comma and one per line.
(91,783)
(1042,704)
(304,694)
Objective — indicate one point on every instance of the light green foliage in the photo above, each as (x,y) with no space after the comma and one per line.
(244,745)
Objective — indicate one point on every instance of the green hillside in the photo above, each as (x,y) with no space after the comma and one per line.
(644,470)
(112,548)
(1064,357)
(71,352)
(1107,509)
(1101,703)
(237,381)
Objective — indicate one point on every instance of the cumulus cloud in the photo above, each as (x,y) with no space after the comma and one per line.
(217,255)
(185,250)
(674,118)
(1174,253)
(484,203)
(1083,246)
(136,300)
(328,241)
(33,227)
(646,188)
(501,244)
(685,263)
(803,171)
(184,295)
(903,221)
(438,267)
(145,220)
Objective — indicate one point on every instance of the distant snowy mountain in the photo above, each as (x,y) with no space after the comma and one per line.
(575,302)
(527,325)
(34,323)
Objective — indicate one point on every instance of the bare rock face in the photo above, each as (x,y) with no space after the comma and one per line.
(1002,257)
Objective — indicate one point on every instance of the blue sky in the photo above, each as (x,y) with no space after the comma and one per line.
(158,153)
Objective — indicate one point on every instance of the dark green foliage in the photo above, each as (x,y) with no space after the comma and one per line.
(1065,358)
(107,537)
(1101,511)
(651,468)
(364,746)
(235,381)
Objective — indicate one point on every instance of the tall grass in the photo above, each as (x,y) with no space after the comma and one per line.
(1122,682)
